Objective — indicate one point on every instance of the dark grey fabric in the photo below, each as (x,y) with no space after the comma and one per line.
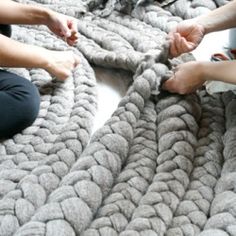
(19,103)
(5,29)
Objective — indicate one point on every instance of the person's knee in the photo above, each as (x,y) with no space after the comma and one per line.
(23,101)
(30,102)
(28,109)
(5,30)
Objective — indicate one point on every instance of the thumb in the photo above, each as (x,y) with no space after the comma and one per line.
(77,60)
(167,84)
(66,32)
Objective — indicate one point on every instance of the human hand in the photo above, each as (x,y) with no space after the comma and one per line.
(64,26)
(185,37)
(60,63)
(187,78)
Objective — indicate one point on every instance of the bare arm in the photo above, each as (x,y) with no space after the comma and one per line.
(219,19)
(187,35)
(224,71)
(17,13)
(190,76)
(16,54)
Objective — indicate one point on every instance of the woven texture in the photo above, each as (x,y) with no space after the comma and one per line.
(162,165)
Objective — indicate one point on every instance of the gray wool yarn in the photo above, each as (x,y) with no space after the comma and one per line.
(191,214)
(162,164)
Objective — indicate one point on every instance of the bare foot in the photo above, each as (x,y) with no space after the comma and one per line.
(61,63)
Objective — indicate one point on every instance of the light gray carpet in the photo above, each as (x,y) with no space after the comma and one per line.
(162,165)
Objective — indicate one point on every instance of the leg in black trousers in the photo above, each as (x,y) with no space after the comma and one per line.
(5,30)
(19,100)
(19,103)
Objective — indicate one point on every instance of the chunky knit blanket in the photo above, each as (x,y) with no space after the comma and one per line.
(162,165)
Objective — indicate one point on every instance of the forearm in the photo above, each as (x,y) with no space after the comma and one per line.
(224,71)
(219,19)
(17,13)
(16,54)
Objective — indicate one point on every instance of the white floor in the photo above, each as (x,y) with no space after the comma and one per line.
(112,85)
(212,43)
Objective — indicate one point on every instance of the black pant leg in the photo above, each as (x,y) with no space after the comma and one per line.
(5,30)
(19,103)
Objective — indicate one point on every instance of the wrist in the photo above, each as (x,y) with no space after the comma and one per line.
(37,15)
(45,16)
(202,69)
(202,23)
(206,70)
(44,60)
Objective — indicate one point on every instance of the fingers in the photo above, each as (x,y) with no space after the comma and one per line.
(72,58)
(172,84)
(169,85)
(69,30)
(175,44)
(183,45)
(73,26)
(179,44)
(73,39)
(173,48)
(67,70)
(65,31)
(76,60)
